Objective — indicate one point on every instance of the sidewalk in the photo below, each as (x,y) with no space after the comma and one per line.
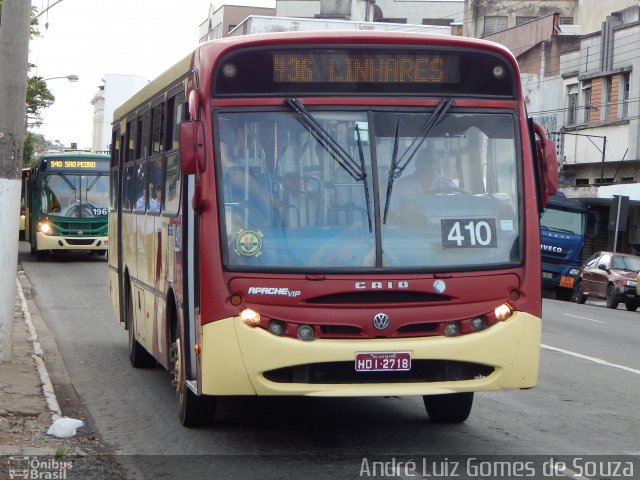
(28,407)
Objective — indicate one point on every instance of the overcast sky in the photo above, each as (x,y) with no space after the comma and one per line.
(91,38)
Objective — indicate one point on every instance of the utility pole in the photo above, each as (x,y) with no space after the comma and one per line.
(15,21)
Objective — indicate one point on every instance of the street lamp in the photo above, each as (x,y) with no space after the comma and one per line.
(71,78)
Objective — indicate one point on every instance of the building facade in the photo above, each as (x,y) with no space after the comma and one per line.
(114,90)
(220,21)
(599,136)
(417,12)
(486,17)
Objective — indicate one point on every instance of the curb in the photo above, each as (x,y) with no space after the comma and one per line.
(38,357)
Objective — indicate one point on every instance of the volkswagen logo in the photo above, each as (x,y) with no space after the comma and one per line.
(381,321)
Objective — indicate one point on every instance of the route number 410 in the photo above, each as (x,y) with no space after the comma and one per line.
(469,233)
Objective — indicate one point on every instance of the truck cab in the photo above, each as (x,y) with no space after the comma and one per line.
(563,227)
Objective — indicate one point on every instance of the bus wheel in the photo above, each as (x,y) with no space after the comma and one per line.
(448,408)
(632,307)
(138,356)
(193,410)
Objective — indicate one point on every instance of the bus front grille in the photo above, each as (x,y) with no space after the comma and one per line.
(422,371)
(378,297)
(78,242)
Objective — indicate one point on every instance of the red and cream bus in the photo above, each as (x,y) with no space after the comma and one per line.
(267,238)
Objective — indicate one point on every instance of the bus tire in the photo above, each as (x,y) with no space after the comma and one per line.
(138,356)
(448,408)
(193,410)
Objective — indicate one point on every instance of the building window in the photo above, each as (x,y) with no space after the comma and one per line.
(217,31)
(625,95)
(565,20)
(572,104)
(626,180)
(582,182)
(494,24)
(603,181)
(392,20)
(586,101)
(521,20)
(442,22)
(607,97)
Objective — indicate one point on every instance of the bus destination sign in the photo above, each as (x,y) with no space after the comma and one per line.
(371,67)
(72,164)
(62,164)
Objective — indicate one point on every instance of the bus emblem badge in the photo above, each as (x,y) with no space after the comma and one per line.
(249,243)
(381,321)
(439,286)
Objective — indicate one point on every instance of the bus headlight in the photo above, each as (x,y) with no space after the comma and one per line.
(250,317)
(452,329)
(503,312)
(306,333)
(45,227)
(574,271)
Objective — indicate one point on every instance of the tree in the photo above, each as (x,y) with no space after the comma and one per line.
(14,52)
(39,97)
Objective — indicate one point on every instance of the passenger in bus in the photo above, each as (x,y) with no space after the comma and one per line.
(140,204)
(156,202)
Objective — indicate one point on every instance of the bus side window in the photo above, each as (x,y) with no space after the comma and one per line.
(141,188)
(155,185)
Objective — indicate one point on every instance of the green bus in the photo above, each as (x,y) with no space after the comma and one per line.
(66,203)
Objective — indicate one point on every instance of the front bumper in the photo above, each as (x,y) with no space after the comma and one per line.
(80,244)
(235,357)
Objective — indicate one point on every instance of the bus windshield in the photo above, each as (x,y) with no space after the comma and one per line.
(292,200)
(75,196)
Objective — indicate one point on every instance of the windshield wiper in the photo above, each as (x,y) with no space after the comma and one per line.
(362,168)
(399,164)
(334,148)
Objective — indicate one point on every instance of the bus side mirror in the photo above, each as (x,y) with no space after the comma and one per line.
(192,147)
(546,153)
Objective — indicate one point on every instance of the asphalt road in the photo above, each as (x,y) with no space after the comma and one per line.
(586,402)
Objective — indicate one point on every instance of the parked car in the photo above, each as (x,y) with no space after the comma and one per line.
(611,276)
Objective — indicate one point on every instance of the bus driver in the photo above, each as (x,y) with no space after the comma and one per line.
(407,199)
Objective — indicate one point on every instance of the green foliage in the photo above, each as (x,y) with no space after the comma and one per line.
(38,97)
(34,143)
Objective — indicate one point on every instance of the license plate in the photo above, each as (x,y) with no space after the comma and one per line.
(566,281)
(383,361)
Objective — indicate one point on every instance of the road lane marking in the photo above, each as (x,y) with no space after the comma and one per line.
(592,359)
(584,318)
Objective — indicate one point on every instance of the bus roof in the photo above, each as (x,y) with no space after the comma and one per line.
(206,51)
(74,153)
